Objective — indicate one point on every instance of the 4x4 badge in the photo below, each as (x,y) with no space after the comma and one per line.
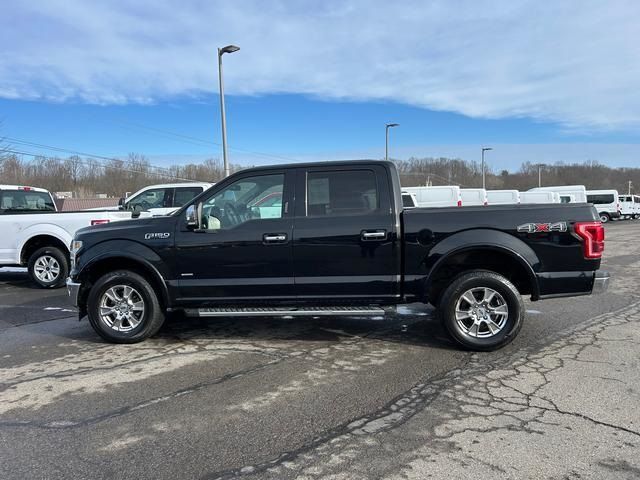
(542,227)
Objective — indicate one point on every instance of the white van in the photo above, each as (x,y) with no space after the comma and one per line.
(539,197)
(566,193)
(473,196)
(429,197)
(606,202)
(628,207)
(636,202)
(503,197)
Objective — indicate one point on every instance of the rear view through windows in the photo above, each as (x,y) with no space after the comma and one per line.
(341,193)
(25,201)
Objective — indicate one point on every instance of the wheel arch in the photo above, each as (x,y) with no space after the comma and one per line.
(36,242)
(492,257)
(103,264)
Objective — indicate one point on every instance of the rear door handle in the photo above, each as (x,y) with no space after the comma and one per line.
(274,238)
(370,235)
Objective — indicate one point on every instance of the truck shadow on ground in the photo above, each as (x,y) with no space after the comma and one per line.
(417,330)
(414,325)
(17,279)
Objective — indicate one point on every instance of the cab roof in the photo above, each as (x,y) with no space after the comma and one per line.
(23,187)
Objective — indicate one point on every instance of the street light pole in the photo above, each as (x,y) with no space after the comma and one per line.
(222,51)
(540,165)
(386,141)
(484,183)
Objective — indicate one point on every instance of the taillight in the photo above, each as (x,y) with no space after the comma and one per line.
(99,222)
(592,235)
(486,203)
(26,189)
(459,203)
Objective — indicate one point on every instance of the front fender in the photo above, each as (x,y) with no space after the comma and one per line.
(126,250)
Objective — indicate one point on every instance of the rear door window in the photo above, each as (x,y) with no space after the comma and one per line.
(184,195)
(343,192)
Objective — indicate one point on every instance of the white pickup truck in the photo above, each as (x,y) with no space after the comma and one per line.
(35,235)
(162,199)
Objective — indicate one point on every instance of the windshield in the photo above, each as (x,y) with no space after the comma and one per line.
(26,201)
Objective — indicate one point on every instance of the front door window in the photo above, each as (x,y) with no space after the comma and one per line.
(250,198)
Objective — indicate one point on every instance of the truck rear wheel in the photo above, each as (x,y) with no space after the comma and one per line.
(48,267)
(124,308)
(482,310)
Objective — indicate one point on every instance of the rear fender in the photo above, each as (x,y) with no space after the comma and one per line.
(483,239)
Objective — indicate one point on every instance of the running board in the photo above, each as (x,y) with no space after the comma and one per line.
(280,311)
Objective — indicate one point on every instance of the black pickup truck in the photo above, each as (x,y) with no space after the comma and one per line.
(332,238)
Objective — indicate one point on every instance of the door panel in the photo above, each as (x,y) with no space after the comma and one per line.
(244,250)
(345,236)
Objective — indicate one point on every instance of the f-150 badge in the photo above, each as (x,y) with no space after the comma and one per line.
(542,227)
(155,236)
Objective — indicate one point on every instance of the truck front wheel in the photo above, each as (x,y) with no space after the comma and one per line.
(124,308)
(48,267)
(482,310)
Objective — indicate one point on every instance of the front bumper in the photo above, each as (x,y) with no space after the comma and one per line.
(600,282)
(73,289)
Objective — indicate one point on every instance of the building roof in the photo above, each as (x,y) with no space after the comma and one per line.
(75,204)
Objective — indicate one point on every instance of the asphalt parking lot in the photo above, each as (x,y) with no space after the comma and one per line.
(320,398)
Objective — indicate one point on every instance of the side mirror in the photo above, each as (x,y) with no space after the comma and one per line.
(191,217)
(121,202)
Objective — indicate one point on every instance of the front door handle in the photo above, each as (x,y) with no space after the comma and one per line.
(370,235)
(274,238)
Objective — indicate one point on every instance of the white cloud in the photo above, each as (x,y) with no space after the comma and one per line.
(571,62)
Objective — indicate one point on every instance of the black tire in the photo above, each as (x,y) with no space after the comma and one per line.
(604,217)
(151,318)
(48,267)
(485,340)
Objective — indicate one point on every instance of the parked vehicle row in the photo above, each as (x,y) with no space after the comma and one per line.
(36,236)
(608,203)
(49,237)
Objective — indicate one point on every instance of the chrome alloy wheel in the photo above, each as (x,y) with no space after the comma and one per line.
(46,269)
(481,312)
(121,308)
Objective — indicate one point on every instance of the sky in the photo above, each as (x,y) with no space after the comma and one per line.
(537,81)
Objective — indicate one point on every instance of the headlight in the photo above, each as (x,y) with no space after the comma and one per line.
(76,245)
